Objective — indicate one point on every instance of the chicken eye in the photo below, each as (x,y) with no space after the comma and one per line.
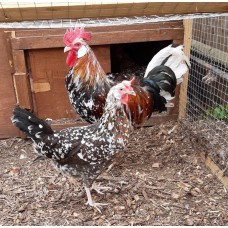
(77,45)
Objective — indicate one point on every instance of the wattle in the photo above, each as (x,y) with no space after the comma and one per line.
(125,99)
(71,59)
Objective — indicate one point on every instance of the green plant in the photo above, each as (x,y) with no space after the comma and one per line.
(220,112)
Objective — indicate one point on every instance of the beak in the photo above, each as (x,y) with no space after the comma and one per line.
(66,49)
(131,92)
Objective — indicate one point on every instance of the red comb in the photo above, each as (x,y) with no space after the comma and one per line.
(128,84)
(132,81)
(71,34)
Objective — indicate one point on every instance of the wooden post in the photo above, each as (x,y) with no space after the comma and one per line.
(21,83)
(184,84)
(20,79)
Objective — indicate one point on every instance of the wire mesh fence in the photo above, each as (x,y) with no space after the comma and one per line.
(207,93)
(96,22)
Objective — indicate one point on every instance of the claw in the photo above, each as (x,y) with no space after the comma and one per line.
(96,205)
(91,202)
(97,188)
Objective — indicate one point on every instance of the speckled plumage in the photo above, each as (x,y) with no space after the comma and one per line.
(81,152)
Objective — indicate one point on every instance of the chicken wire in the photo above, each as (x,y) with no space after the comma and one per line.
(207,91)
(97,22)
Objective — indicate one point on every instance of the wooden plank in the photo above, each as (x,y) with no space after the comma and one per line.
(184,84)
(101,38)
(214,169)
(21,82)
(19,61)
(210,68)
(19,33)
(22,90)
(38,87)
(7,94)
(36,11)
(213,53)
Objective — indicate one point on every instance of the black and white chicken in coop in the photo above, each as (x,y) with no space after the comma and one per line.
(82,151)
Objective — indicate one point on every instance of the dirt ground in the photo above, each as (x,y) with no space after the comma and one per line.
(158,180)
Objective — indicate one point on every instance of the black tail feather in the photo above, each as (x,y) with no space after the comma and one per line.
(154,90)
(161,78)
(30,124)
(164,77)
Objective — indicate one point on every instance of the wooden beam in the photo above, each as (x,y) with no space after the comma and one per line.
(210,68)
(105,38)
(19,33)
(214,169)
(184,84)
(7,93)
(38,87)
(21,82)
(21,11)
(213,53)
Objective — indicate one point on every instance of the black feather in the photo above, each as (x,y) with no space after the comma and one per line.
(164,77)
(29,123)
(166,59)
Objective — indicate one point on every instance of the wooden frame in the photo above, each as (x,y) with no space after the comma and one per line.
(20,11)
(214,169)
(25,40)
(184,86)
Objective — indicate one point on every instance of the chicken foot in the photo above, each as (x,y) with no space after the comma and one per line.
(97,188)
(91,202)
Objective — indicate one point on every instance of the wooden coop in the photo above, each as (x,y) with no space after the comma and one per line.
(33,64)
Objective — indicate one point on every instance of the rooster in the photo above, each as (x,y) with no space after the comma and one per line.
(88,85)
(84,151)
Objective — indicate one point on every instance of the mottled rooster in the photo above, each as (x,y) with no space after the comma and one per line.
(88,85)
(84,151)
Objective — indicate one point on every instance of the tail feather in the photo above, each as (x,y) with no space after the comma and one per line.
(30,124)
(164,77)
(174,58)
(166,80)
(167,69)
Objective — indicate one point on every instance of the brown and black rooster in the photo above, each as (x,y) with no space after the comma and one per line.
(84,151)
(88,85)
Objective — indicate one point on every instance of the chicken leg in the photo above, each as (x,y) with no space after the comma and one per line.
(91,202)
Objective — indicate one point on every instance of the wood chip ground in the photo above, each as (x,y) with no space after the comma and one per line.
(158,180)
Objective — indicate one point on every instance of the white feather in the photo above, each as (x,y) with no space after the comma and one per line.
(169,105)
(177,61)
(82,51)
(166,95)
(157,59)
